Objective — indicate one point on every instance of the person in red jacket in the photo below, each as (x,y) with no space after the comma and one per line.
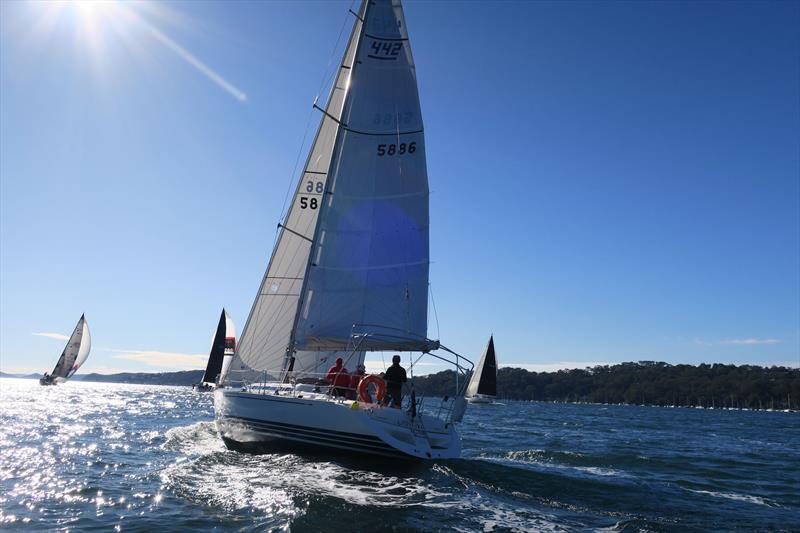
(355,379)
(339,377)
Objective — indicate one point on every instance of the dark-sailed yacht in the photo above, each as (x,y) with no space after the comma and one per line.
(482,387)
(219,359)
(74,355)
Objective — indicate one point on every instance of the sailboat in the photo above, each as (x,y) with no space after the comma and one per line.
(223,346)
(348,275)
(482,386)
(74,355)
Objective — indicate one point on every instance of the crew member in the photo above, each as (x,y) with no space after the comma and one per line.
(394,376)
(339,377)
(355,379)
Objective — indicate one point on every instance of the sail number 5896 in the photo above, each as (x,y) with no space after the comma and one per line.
(400,149)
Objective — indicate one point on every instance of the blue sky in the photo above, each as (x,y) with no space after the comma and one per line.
(610,181)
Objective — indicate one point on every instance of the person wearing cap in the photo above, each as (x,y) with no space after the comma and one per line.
(394,377)
(338,377)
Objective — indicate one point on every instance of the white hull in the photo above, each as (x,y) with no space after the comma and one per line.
(480,398)
(314,421)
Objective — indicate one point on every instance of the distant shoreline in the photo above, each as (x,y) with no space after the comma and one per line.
(500,400)
(179,378)
(645,383)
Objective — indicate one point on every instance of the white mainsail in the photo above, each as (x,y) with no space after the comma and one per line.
(370,256)
(75,352)
(352,251)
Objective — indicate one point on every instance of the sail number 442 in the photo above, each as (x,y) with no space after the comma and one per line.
(392,149)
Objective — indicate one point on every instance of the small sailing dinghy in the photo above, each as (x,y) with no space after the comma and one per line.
(223,346)
(349,275)
(74,355)
(482,386)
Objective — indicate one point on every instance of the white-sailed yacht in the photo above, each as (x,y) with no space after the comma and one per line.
(349,275)
(74,355)
(482,386)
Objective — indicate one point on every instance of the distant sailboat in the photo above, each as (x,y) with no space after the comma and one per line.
(222,348)
(482,387)
(74,355)
(230,346)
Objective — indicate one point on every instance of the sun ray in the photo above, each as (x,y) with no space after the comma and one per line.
(187,56)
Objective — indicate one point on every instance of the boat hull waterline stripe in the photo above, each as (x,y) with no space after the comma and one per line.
(306,434)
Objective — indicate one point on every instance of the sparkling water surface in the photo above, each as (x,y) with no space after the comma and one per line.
(92,456)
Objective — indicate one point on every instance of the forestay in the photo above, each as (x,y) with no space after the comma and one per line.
(369,263)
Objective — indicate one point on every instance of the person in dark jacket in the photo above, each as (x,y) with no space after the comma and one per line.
(394,377)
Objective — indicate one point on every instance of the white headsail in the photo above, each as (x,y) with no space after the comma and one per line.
(352,251)
(267,334)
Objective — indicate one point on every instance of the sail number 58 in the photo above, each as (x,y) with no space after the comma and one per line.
(400,149)
(306,202)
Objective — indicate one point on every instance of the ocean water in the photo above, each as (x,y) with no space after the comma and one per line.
(91,456)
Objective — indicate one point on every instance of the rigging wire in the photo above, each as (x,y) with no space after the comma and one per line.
(435,314)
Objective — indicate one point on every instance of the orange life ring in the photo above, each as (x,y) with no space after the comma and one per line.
(363,389)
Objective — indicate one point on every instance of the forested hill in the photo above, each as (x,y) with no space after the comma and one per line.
(645,382)
(186,377)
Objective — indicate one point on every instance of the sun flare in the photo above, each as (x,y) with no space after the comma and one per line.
(101,26)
